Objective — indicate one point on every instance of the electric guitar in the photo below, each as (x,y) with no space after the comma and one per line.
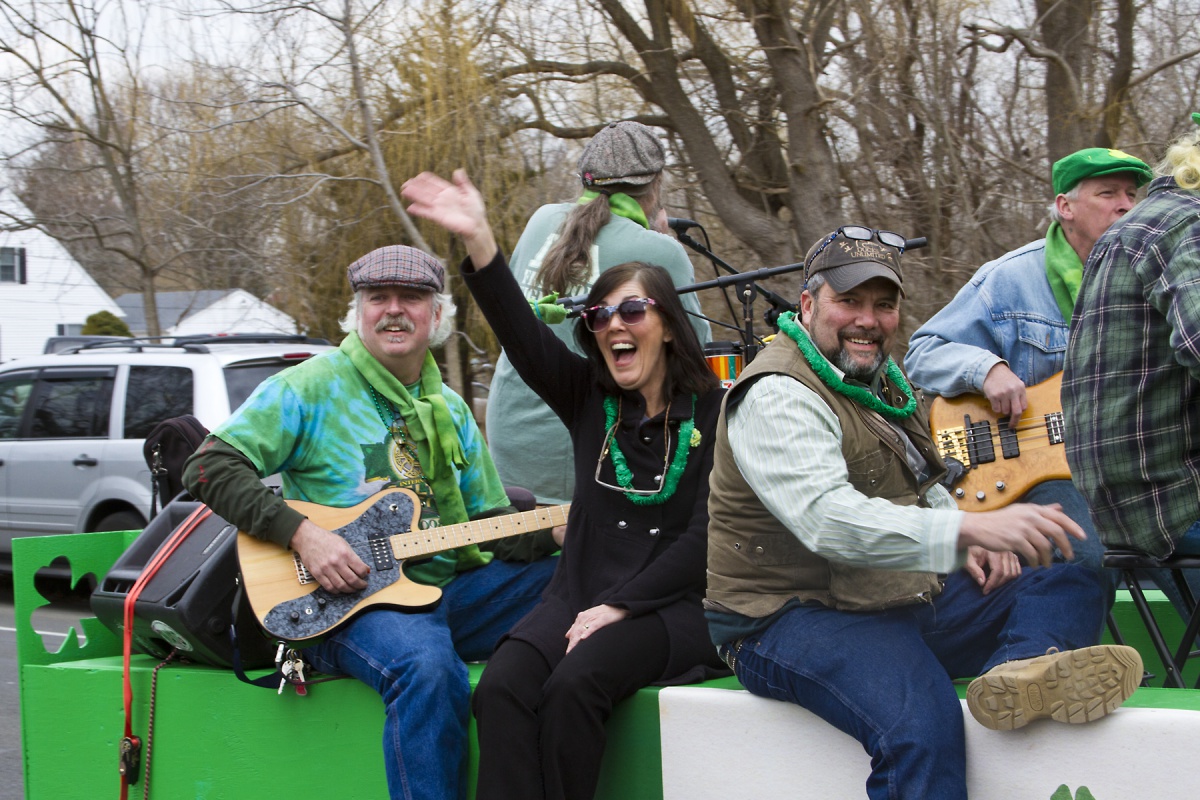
(290,604)
(1001,463)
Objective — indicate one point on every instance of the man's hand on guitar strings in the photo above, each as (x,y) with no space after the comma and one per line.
(331,561)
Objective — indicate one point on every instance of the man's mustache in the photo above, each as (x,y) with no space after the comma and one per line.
(401,322)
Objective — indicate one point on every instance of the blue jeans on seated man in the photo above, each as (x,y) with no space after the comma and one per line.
(415,662)
(885,677)
(1090,552)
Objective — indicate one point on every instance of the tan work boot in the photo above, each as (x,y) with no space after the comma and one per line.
(1073,686)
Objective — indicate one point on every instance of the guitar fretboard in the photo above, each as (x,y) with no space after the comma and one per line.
(434,540)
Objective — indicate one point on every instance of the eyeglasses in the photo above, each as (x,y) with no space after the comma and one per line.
(632,312)
(608,440)
(861,234)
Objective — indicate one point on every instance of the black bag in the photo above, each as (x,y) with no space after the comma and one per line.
(166,448)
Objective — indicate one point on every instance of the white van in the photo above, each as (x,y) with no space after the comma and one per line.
(72,424)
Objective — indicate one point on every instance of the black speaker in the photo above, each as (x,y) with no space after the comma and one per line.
(188,604)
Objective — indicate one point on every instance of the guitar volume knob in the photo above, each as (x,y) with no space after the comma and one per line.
(959,493)
(1000,486)
(980,496)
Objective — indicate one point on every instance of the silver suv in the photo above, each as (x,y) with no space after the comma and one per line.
(72,423)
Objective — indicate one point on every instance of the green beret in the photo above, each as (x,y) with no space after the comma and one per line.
(1094,162)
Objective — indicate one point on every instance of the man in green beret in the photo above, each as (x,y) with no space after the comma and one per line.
(1007,327)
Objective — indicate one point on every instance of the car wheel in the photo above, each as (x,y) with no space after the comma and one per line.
(121,521)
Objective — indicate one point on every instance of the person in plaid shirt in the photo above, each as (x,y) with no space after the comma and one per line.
(1131,383)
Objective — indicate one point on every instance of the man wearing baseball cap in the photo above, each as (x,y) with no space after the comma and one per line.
(1007,328)
(340,427)
(843,578)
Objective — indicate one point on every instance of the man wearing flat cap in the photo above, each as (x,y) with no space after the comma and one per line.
(341,427)
(1007,328)
(842,577)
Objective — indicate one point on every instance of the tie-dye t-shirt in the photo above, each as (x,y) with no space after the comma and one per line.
(316,425)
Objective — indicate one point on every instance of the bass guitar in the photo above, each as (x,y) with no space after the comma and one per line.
(999,462)
(290,604)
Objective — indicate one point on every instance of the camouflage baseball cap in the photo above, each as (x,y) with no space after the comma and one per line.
(847,262)
(397,265)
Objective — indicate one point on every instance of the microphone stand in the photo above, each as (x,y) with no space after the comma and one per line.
(747,291)
(746,287)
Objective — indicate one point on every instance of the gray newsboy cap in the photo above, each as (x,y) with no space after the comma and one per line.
(397,265)
(622,152)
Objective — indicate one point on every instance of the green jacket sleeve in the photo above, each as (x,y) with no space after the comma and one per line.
(223,478)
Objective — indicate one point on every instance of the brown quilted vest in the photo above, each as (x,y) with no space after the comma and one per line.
(755,564)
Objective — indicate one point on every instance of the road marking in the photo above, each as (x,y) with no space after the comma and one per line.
(39,633)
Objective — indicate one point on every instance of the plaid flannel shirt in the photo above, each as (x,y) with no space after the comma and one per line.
(1131,384)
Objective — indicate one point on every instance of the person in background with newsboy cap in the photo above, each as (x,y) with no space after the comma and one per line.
(841,576)
(564,248)
(341,427)
(1007,328)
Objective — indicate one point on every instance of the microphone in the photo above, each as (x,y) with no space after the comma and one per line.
(680,225)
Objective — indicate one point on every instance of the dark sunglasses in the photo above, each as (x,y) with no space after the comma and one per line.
(632,312)
(859,233)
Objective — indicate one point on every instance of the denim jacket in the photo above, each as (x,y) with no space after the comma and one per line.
(1006,312)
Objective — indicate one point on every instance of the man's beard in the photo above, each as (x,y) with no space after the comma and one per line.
(855,369)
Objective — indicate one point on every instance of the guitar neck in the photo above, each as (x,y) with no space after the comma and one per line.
(415,544)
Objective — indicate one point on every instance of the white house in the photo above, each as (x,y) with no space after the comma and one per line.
(209,311)
(44,292)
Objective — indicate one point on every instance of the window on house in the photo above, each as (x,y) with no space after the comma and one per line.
(12,265)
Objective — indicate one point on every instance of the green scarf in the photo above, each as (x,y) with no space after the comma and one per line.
(1064,270)
(429,424)
(620,204)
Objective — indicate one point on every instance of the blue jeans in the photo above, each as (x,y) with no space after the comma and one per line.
(885,677)
(1088,553)
(415,662)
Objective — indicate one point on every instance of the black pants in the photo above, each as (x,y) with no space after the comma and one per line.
(541,731)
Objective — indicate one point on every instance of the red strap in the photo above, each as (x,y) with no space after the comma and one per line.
(148,572)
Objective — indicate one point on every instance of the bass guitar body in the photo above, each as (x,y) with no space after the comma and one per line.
(999,462)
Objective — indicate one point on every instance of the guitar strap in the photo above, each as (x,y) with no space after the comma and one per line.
(130,747)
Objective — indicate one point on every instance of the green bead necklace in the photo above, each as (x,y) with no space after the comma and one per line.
(687,440)
(788,324)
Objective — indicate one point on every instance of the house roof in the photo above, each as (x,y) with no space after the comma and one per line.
(172,306)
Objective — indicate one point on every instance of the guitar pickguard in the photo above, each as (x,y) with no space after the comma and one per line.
(315,613)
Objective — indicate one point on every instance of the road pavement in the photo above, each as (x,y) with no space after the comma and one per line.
(52,623)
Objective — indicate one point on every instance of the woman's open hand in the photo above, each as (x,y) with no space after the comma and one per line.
(457,206)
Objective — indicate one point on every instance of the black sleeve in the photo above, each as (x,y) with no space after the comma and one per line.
(559,376)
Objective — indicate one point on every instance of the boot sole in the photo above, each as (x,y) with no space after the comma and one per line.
(1074,686)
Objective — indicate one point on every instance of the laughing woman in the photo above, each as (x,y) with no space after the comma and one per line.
(623,609)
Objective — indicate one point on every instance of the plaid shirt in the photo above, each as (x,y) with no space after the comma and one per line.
(1131,385)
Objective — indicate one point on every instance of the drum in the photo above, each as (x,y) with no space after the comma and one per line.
(725,360)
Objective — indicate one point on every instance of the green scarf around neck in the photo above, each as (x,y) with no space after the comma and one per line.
(429,424)
(1064,270)
(620,204)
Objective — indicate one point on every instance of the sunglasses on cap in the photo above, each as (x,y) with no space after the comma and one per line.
(862,234)
(632,312)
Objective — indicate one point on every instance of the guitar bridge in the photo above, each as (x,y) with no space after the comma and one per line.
(302,573)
